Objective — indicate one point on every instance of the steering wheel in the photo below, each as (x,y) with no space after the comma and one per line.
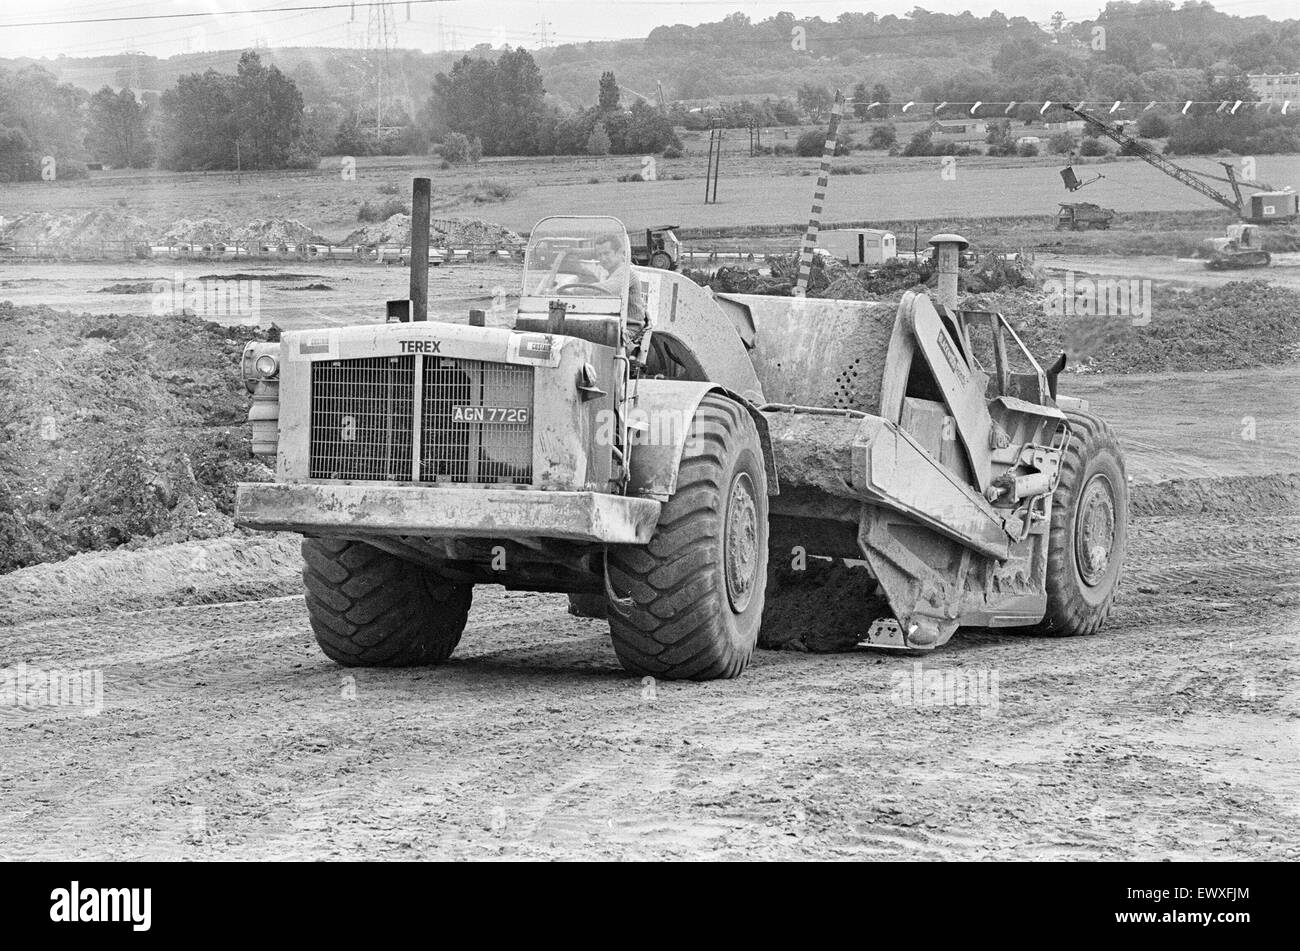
(581,289)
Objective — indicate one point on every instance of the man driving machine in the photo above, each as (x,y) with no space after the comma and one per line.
(613,261)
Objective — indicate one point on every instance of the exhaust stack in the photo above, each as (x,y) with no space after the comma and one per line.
(420,249)
(948,252)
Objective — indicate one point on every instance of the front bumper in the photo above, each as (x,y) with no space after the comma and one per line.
(326,508)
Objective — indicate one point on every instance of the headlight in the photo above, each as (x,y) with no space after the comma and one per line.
(260,365)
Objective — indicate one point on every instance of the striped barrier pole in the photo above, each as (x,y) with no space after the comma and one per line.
(819,197)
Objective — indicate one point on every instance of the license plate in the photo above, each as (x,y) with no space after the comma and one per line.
(489,414)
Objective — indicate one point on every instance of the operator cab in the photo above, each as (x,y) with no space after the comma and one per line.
(577,259)
(577,274)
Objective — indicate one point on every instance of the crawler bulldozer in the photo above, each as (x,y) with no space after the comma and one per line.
(649,447)
(1241,247)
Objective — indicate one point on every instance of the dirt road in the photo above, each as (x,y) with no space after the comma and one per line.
(294,297)
(225,734)
(1187,272)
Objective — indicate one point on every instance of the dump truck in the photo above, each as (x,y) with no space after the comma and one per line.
(662,248)
(1083,216)
(652,449)
(1241,247)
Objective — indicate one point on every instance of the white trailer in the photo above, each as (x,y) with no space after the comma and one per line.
(859,245)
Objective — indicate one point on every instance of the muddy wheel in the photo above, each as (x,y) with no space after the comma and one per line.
(662,260)
(1089,531)
(588,605)
(697,588)
(372,609)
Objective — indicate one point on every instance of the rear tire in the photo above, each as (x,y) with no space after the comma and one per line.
(697,589)
(1089,531)
(372,609)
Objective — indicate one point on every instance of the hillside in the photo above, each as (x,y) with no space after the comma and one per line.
(737,57)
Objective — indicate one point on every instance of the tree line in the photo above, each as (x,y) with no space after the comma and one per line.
(207,121)
(512,102)
(501,103)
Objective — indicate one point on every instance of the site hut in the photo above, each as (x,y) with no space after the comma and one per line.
(859,245)
(972,131)
(1028,140)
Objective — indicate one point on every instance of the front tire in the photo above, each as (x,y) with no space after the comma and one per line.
(372,609)
(697,589)
(1089,531)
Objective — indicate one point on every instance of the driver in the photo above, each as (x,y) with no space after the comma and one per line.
(609,252)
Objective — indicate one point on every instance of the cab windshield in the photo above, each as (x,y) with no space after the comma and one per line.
(577,257)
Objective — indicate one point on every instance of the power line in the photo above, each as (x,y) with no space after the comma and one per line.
(880,37)
(352,4)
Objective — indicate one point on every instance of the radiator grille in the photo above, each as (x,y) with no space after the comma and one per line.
(361,412)
(363,417)
(492,452)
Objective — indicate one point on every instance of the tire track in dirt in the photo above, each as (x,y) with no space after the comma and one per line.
(226,734)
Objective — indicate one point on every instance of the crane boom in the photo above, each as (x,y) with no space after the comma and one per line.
(1152,157)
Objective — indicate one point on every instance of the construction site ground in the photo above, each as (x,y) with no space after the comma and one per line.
(293,295)
(1283,270)
(299,294)
(226,734)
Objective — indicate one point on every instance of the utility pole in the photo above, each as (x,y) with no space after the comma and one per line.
(715,163)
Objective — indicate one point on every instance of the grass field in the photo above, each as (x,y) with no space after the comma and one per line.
(752,191)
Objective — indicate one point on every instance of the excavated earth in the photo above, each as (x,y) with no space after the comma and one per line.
(221,731)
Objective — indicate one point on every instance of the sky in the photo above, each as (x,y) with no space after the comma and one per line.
(443,24)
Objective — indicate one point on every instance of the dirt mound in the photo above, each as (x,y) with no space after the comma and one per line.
(466,232)
(1235,326)
(128,287)
(104,226)
(237,568)
(443,232)
(740,280)
(200,231)
(392,231)
(832,279)
(1234,495)
(117,430)
(278,231)
(269,231)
